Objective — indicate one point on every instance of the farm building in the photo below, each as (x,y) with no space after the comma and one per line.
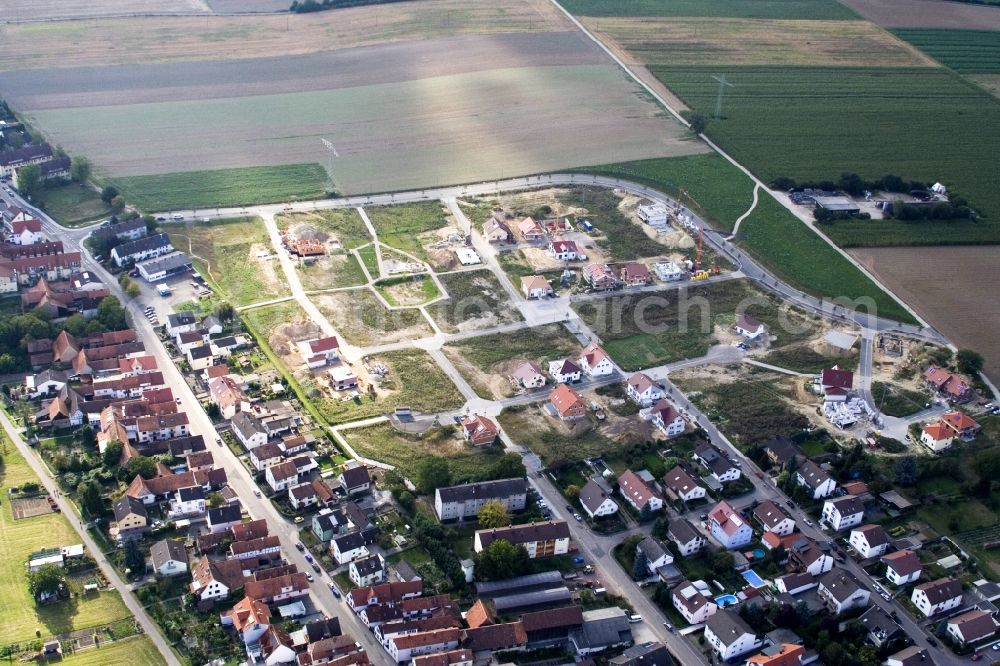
(837,204)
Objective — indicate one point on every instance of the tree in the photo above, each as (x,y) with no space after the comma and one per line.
(118,204)
(143,466)
(132,290)
(698,123)
(45,580)
(135,563)
(510,466)
(433,473)
(722,562)
(645,513)
(494,514)
(215,500)
(112,454)
(111,314)
(225,312)
(641,567)
(905,472)
(79,169)
(969,362)
(501,560)
(572,492)
(89,493)
(29,179)
(109,193)
(88,438)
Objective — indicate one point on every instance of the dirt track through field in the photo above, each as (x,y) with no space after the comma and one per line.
(927,14)
(34,90)
(954,288)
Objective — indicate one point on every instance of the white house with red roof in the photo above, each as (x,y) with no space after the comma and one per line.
(25,232)
(728,527)
(937,436)
(565,371)
(530,231)
(835,384)
(634,274)
(641,388)
(318,352)
(637,492)
(961,424)
(535,286)
(566,250)
(749,327)
(595,361)
(479,430)
(666,418)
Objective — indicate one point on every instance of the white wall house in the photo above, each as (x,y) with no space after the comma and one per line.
(937,596)
(843,512)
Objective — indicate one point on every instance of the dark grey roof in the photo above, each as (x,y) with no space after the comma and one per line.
(550,596)
(320,629)
(349,541)
(646,654)
(226,342)
(769,513)
(782,449)
(201,351)
(484,489)
(368,565)
(127,505)
(405,571)
(191,494)
(544,579)
(601,628)
(247,425)
(840,583)
(913,656)
(652,549)
(682,531)
(32,151)
(728,626)
(183,318)
(355,477)
(941,590)
(154,242)
(166,550)
(879,624)
(812,474)
(592,496)
(848,505)
(168,262)
(225,514)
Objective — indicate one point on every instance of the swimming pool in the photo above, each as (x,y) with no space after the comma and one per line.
(726,600)
(754,580)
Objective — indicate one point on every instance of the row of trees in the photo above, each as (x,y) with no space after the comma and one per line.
(852,183)
(433,472)
(306,6)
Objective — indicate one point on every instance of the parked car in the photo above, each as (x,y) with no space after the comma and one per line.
(309,558)
(316,568)
(309,577)
(256,493)
(335,590)
(634,617)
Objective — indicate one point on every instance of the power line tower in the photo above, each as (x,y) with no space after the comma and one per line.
(333,153)
(722,89)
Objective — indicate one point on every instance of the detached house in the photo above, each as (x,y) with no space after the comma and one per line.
(656,555)
(320,351)
(529,376)
(748,327)
(951,387)
(961,424)
(181,322)
(773,518)
(568,404)
(634,274)
(728,527)
(692,604)
(937,596)
(638,493)
(227,396)
(346,548)
(643,390)
(530,231)
(25,232)
(479,430)
(367,571)
(843,512)
(681,486)
(535,286)
(249,430)
(684,535)
(595,361)
(214,579)
(131,520)
(869,540)
(169,558)
(667,419)
(565,371)
(810,475)
(835,384)
(971,627)
(729,634)
(718,464)
(937,436)
(902,567)
(600,277)
(354,478)
(840,591)
(563,250)
(282,476)
(808,555)
(595,502)
(497,231)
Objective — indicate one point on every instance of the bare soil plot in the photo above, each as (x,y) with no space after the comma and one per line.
(990,82)
(340,231)
(927,14)
(476,300)
(29,507)
(700,41)
(47,10)
(961,303)
(171,39)
(363,320)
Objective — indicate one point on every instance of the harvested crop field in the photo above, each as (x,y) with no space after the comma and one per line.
(700,41)
(927,14)
(957,303)
(47,10)
(248,6)
(796,9)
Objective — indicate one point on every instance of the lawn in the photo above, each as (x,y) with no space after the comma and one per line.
(751,412)
(529,427)
(266,319)
(803,358)
(641,331)
(20,616)
(894,400)
(784,9)
(137,651)
(218,188)
(966,51)
(408,227)
(384,443)
(407,290)
(815,123)
(624,240)
(73,205)
(414,381)
(225,253)
(362,319)
(475,300)
(370,259)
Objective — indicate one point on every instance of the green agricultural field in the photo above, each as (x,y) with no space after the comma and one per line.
(475,300)
(73,205)
(966,51)
(384,443)
(187,190)
(136,651)
(409,227)
(646,330)
(224,251)
(415,381)
(707,184)
(773,9)
(813,123)
(20,616)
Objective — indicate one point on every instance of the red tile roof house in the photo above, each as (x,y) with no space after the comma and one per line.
(643,390)
(634,274)
(530,230)
(835,384)
(948,385)
(961,424)
(528,375)
(535,286)
(479,430)
(665,416)
(600,277)
(638,493)
(595,361)
(564,250)
(317,353)
(937,436)
(568,404)
(748,327)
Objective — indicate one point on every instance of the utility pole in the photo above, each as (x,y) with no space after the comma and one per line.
(722,88)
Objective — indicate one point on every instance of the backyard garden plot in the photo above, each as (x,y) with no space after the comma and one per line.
(486,361)
(791,9)
(20,616)
(169,39)
(816,123)
(236,256)
(646,330)
(404,451)
(362,319)
(341,230)
(966,51)
(699,41)
(476,300)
